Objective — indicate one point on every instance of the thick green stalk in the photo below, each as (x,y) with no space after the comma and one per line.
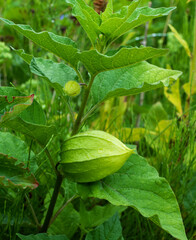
(83,105)
(52,203)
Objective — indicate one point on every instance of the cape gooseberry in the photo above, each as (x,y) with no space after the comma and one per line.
(72,88)
(91,156)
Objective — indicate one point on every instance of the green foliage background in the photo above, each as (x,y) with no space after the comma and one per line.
(166,135)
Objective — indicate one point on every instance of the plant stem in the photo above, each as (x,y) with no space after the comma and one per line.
(52,203)
(33,212)
(59,179)
(83,105)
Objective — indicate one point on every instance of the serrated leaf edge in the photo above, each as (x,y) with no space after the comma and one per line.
(12,109)
(20,165)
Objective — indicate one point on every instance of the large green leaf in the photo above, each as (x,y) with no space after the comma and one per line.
(128,18)
(110,230)
(131,80)
(42,236)
(96,62)
(63,47)
(40,133)
(138,185)
(14,175)
(88,18)
(30,121)
(26,57)
(98,215)
(57,74)
(13,146)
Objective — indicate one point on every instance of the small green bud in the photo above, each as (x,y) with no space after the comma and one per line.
(101,36)
(92,155)
(72,88)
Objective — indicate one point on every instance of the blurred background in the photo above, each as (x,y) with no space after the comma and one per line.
(162,123)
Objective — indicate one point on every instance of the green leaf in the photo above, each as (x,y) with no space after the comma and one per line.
(129,18)
(34,114)
(40,133)
(124,13)
(138,185)
(131,80)
(66,223)
(63,47)
(42,236)
(108,11)
(20,52)
(110,230)
(70,189)
(11,108)
(57,74)
(98,215)
(155,115)
(30,121)
(13,146)
(14,175)
(96,62)
(87,17)
(31,111)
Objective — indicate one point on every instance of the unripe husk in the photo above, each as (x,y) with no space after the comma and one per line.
(92,155)
(72,88)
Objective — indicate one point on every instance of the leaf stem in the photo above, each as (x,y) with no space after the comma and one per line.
(61,208)
(90,112)
(79,76)
(29,154)
(83,105)
(45,226)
